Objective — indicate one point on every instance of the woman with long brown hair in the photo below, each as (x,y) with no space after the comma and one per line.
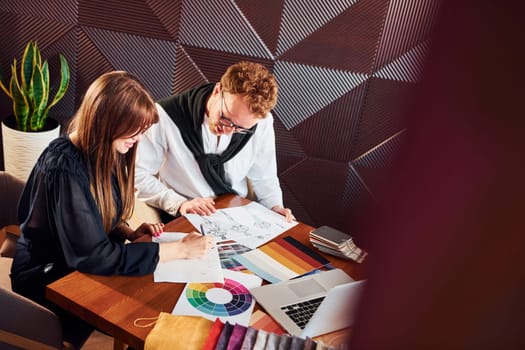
(74,207)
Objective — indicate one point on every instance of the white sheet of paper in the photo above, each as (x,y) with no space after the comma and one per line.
(251,224)
(205,269)
(230,301)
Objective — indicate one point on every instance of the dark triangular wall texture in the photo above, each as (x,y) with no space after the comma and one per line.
(345,70)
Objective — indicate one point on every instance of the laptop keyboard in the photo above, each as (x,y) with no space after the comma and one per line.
(301,312)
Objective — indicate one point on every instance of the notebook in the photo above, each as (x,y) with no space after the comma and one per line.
(330,298)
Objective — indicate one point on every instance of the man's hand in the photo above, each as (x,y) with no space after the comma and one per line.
(286,212)
(201,206)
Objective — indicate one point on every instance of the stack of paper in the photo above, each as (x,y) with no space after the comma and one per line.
(331,241)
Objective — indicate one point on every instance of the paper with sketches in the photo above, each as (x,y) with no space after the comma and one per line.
(205,269)
(229,301)
(251,224)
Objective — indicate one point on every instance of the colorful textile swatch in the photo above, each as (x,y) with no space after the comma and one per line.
(213,335)
(309,344)
(282,259)
(178,333)
(296,343)
(260,340)
(284,342)
(236,337)
(249,339)
(272,343)
(224,337)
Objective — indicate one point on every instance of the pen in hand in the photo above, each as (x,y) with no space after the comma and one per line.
(202,230)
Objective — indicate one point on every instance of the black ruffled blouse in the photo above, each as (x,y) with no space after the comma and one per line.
(62,228)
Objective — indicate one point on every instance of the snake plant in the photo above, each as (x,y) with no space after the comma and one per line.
(29,90)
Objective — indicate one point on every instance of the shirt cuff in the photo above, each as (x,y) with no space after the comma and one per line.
(174,207)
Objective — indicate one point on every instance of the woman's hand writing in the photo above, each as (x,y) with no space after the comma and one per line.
(192,246)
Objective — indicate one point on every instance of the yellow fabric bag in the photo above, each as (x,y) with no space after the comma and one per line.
(175,332)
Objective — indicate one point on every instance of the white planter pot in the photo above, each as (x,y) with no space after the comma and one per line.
(22,149)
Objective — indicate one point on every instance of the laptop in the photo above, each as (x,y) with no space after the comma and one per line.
(312,305)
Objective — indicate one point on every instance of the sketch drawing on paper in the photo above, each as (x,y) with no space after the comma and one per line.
(251,224)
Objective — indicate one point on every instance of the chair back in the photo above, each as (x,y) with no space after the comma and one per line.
(11,189)
(25,324)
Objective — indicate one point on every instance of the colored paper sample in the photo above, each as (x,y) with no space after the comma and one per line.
(281,259)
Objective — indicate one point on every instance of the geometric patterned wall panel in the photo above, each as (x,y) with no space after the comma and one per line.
(265,20)
(91,63)
(220,26)
(348,42)
(132,17)
(43,30)
(372,164)
(321,187)
(58,11)
(382,114)
(367,176)
(187,72)
(160,55)
(407,24)
(355,199)
(289,149)
(297,204)
(168,12)
(365,180)
(408,67)
(320,86)
(345,69)
(330,133)
(211,63)
(300,19)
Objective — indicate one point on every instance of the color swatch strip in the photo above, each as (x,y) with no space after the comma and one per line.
(282,259)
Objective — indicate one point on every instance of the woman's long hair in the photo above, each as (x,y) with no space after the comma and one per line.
(115,105)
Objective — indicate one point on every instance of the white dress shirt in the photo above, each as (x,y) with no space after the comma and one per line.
(167,173)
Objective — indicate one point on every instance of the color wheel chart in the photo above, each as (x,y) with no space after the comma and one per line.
(229,301)
(219,299)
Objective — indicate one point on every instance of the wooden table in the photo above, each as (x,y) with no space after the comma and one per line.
(113,303)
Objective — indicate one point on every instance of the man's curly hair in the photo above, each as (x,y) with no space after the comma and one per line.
(254,81)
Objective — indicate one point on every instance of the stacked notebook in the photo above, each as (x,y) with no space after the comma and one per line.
(331,241)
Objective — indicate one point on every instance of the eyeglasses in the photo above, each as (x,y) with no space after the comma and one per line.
(227,122)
